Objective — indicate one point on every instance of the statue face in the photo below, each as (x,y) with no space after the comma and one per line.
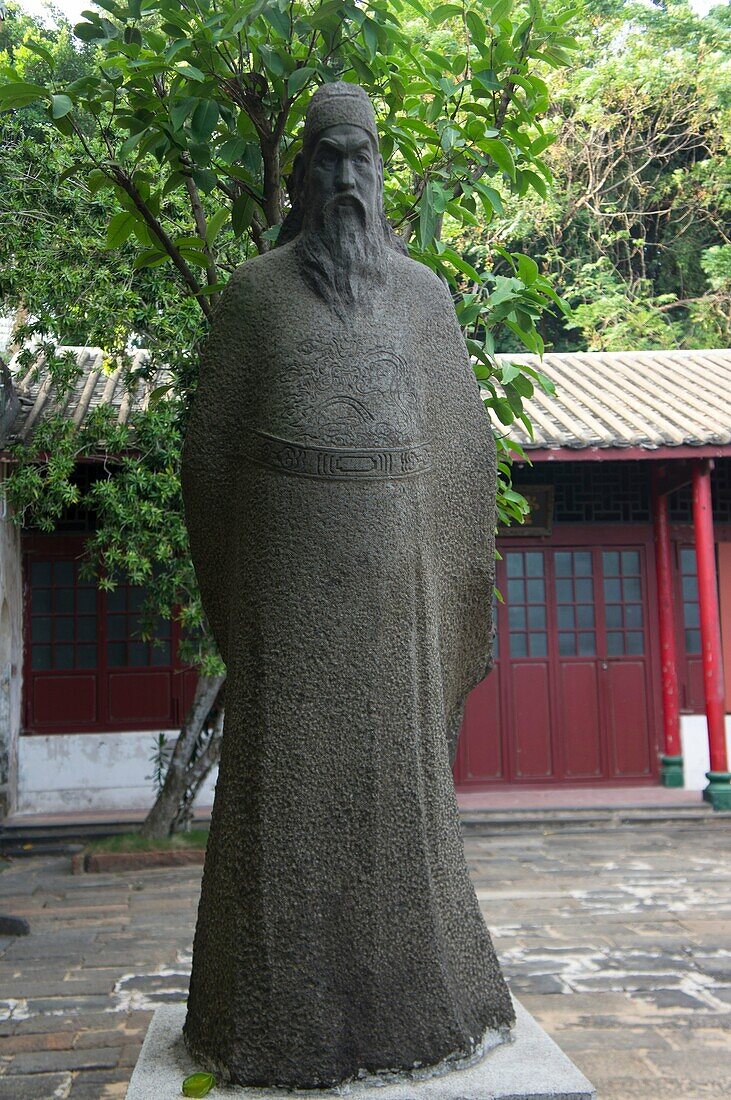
(344,171)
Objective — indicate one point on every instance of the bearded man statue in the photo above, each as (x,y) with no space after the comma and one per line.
(339,486)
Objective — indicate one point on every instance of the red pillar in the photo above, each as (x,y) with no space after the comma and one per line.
(672,760)
(710,635)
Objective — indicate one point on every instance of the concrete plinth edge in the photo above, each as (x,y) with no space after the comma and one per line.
(532,1067)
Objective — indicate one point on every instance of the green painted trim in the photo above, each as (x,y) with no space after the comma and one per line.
(718,791)
(671,773)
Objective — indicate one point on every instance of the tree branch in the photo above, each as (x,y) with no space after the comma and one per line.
(199,215)
(154,225)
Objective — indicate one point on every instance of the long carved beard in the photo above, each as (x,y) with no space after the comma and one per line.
(343,259)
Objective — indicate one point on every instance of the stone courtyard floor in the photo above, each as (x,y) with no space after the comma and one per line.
(617,940)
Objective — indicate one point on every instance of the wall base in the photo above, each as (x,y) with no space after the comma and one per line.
(91,772)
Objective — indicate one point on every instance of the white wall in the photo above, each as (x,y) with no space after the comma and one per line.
(694,743)
(78,772)
(11,650)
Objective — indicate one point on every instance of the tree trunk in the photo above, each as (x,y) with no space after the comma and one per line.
(165,816)
(200,768)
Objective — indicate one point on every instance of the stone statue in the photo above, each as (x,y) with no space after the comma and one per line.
(339,485)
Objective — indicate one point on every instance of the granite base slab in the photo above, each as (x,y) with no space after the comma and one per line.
(531,1067)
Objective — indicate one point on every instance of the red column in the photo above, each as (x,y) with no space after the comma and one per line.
(709,614)
(672,774)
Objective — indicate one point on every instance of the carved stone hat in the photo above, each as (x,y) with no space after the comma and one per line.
(333,104)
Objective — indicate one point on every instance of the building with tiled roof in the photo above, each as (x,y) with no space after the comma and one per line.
(613,643)
(646,399)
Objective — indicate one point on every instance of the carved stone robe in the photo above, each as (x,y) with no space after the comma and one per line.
(339,485)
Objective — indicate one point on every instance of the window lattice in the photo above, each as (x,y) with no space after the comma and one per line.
(617,492)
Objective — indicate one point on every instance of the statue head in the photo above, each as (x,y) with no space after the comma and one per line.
(336,188)
(340,163)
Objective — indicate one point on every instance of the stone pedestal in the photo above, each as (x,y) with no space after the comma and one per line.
(531,1067)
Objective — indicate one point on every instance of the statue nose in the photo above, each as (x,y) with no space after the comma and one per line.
(345,178)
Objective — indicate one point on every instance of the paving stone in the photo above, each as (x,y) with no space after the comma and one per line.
(119,1038)
(541,983)
(696,1064)
(671,998)
(51,1040)
(606,1064)
(576,1039)
(37,1025)
(630,1088)
(38,1086)
(52,987)
(104,1085)
(48,1061)
(67,1002)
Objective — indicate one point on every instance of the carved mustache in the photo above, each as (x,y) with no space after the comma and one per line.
(344,201)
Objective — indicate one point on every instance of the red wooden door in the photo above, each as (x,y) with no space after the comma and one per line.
(626,681)
(578,665)
(86,668)
(571,697)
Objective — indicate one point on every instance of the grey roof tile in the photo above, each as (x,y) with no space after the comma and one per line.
(644,399)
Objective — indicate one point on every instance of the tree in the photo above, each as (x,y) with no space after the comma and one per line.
(635,230)
(180,135)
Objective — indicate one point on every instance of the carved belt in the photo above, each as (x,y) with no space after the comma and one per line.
(343,464)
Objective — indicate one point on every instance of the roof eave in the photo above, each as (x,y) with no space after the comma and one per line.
(623,454)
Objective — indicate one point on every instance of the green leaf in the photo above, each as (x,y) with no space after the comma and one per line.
(279,20)
(273,60)
(445,11)
(173,50)
(298,79)
(490,196)
(98,180)
(180,109)
(20,93)
(204,119)
(535,181)
(527,270)
(231,150)
(370,36)
(205,179)
(198,1084)
(498,151)
(60,106)
(151,257)
(190,71)
(215,224)
(500,9)
(120,228)
(42,52)
(427,217)
(241,214)
(156,396)
(476,26)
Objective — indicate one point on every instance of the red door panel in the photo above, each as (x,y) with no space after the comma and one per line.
(480,756)
(136,698)
(531,721)
(627,726)
(60,700)
(580,720)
